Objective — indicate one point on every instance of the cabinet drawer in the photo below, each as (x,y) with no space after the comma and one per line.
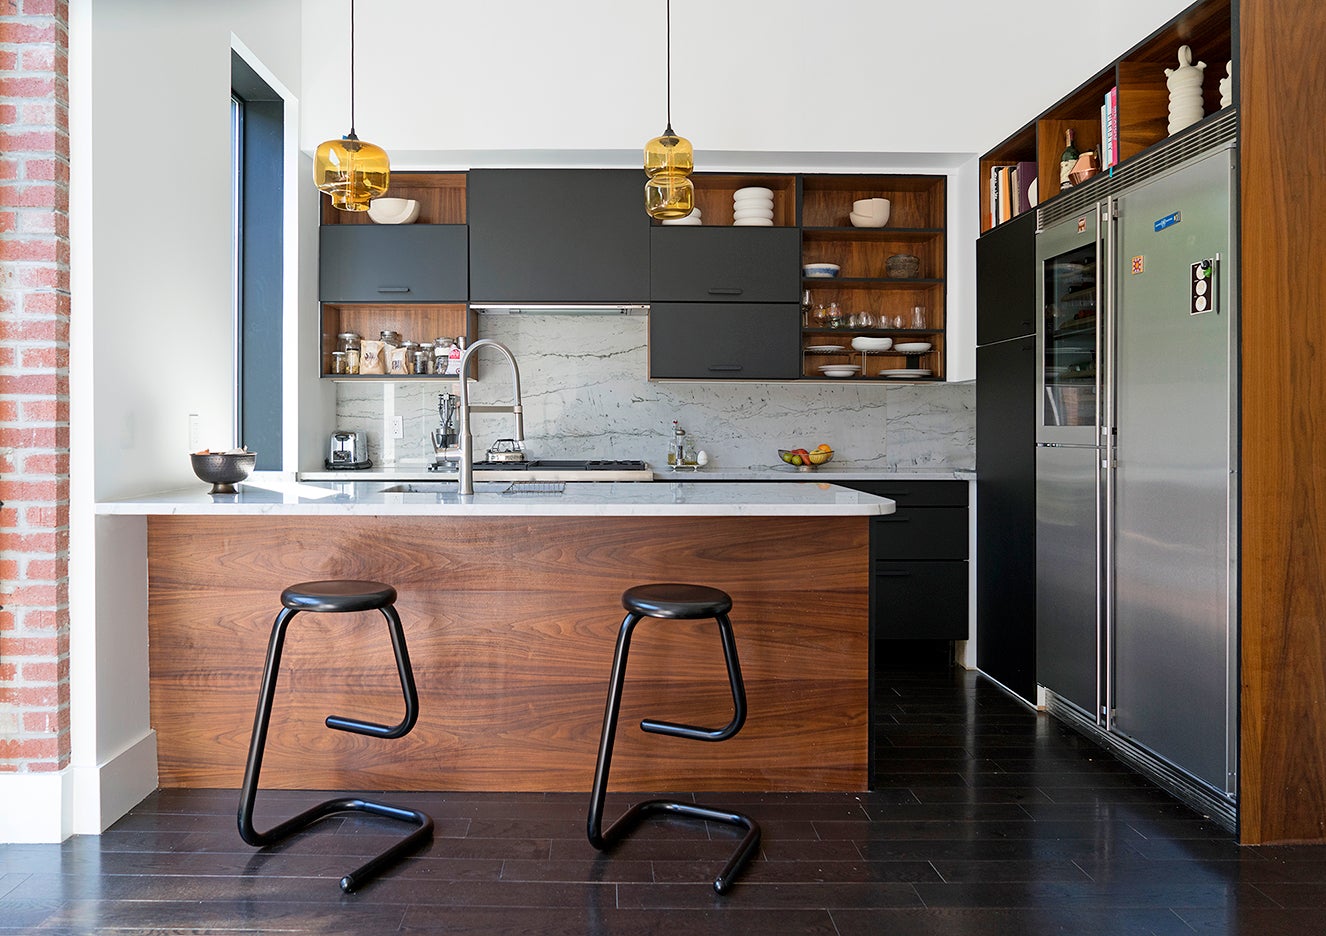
(914,533)
(920,600)
(714,341)
(915,493)
(401,263)
(729,264)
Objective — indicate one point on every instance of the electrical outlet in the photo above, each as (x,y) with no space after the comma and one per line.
(195,432)
(398,427)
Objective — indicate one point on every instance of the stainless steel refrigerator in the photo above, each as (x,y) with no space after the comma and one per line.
(1136,471)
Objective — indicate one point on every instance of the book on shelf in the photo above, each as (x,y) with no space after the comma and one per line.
(994,195)
(1006,192)
(1026,176)
(1109,129)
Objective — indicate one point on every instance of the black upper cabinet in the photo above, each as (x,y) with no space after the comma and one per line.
(725,264)
(1006,274)
(558,236)
(752,341)
(393,263)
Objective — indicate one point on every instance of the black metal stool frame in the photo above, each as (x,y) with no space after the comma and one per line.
(605,839)
(249,792)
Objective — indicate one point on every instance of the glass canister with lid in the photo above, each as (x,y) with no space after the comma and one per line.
(348,344)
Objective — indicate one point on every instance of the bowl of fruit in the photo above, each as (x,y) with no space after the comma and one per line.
(804,460)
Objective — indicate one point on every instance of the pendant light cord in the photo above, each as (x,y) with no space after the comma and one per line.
(352,68)
(669,28)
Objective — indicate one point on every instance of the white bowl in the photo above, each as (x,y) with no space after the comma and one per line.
(820,270)
(870,205)
(753,222)
(753,190)
(839,370)
(689,221)
(872,344)
(393,210)
(863,221)
(912,347)
(753,213)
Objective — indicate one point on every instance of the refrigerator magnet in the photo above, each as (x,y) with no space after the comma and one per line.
(1139,265)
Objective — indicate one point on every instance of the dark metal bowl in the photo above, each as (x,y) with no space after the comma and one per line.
(223,471)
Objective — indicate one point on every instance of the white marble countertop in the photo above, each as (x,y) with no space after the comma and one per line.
(829,472)
(690,497)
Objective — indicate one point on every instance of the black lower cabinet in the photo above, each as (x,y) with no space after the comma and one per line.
(1006,514)
(918,557)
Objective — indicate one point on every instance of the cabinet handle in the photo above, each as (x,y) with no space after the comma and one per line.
(893,518)
(394,289)
(725,291)
(726,367)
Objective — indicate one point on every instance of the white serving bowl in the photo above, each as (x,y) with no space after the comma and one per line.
(753,213)
(820,270)
(864,221)
(869,206)
(872,344)
(912,347)
(751,191)
(839,370)
(688,221)
(753,222)
(393,210)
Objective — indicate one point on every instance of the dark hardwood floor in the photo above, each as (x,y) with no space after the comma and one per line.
(987,819)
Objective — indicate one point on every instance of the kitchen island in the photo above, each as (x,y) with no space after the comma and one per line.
(511,604)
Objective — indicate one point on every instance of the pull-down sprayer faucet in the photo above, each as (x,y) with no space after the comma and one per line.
(465,454)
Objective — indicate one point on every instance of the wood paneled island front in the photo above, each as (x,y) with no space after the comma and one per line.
(511,606)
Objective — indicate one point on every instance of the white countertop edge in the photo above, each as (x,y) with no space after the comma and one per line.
(590,499)
(828,473)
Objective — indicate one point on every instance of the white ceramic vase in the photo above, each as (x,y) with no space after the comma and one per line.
(1185,91)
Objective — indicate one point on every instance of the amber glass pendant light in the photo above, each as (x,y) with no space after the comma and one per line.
(351,171)
(669,161)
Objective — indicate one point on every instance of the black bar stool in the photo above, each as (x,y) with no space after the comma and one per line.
(335,597)
(677,602)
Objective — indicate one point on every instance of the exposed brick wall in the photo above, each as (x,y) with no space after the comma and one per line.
(34,385)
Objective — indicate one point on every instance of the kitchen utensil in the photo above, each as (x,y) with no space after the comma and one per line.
(506,450)
(222,470)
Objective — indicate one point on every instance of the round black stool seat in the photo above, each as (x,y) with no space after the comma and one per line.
(338,595)
(675,600)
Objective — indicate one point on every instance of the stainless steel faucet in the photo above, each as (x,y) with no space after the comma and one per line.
(464,456)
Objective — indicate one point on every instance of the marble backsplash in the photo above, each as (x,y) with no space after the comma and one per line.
(585,395)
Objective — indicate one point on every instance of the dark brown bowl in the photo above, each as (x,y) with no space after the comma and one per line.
(223,471)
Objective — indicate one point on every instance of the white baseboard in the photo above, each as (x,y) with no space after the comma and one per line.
(79,800)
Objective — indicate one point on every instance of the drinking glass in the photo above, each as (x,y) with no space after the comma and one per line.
(918,316)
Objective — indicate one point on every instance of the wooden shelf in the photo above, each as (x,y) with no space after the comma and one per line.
(714,193)
(441,197)
(1143,100)
(422,323)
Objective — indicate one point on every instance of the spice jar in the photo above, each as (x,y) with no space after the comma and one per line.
(389,337)
(441,354)
(409,347)
(339,365)
(423,361)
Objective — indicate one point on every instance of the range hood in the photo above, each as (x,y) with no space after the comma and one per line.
(537,308)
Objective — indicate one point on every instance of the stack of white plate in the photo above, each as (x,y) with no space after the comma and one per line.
(753,207)
(692,218)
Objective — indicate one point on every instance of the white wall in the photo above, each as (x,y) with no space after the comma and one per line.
(150,337)
(443,84)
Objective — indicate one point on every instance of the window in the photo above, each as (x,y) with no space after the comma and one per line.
(257,141)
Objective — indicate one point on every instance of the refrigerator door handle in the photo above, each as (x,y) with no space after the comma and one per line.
(1108,290)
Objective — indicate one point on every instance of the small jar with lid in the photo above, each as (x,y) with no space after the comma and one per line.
(390,338)
(441,354)
(409,347)
(348,344)
(339,363)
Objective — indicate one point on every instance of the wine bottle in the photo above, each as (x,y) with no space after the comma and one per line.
(1067,160)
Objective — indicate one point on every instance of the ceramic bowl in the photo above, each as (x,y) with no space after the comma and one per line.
(393,210)
(752,213)
(753,191)
(820,270)
(872,344)
(868,221)
(903,266)
(753,222)
(911,347)
(222,470)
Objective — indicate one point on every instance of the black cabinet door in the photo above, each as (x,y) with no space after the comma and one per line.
(919,533)
(393,263)
(1006,280)
(750,340)
(558,235)
(1006,514)
(920,601)
(724,264)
